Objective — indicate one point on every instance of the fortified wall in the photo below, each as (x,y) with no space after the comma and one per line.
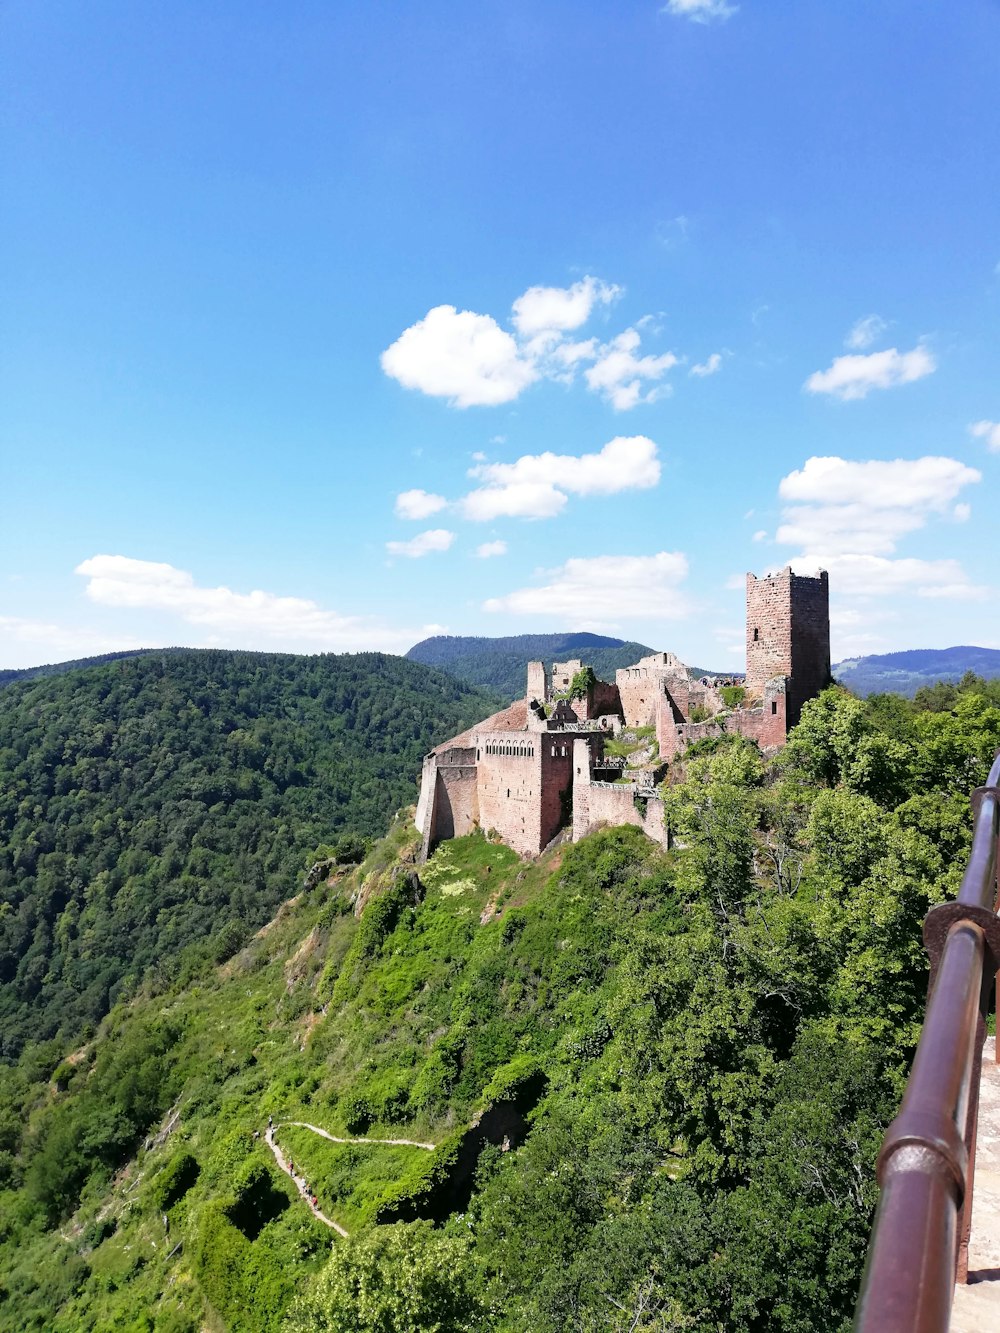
(539,768)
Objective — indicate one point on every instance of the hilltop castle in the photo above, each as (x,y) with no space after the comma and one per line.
(576,752)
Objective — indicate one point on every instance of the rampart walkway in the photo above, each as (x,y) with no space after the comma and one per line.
(977,1305)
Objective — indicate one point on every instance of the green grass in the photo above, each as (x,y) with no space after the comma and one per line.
(349,1180)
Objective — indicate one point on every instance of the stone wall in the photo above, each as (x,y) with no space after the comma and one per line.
(788,634)
(597,803)
(810,603)
(522,784)
(563,673)
(538,687)
(769,630)
(449,798)
(766,724)
(639,690)
(601,700)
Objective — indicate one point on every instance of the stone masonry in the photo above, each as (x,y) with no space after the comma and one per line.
(539,767)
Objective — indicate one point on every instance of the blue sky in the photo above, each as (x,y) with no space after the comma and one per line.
(329,326)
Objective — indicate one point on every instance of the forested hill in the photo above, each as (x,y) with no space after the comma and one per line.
(500,664)
(8,675)
(907,672)
(156,801)
(710,1042)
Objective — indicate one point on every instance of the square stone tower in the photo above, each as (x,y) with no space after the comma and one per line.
(788,634)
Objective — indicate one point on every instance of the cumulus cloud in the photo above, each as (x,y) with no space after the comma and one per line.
(418,504)
(700,11)
(619,374)
(541,309)
(490,549)
(605,589)
(537,485)
(848,517)
(708,367)
(988,431)
(459,355)
(877,576)
(866,331)
(248,620)
(26,642)
(852,377)
(435,539)
(470,360)
(925,483)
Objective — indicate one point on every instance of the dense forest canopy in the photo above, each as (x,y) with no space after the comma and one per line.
(155,801)
(708,1044)
(501,664)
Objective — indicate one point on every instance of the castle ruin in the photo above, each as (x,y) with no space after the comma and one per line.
(551,762)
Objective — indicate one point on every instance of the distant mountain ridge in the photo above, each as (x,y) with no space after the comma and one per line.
(9,674)
(905,672)
(500,664)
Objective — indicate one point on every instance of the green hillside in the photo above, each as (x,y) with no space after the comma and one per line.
(158,808)
(501,664)
(678,1067)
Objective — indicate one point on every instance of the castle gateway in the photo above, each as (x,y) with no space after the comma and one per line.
(573,758)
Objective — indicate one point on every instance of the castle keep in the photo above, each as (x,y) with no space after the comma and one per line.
(551,762)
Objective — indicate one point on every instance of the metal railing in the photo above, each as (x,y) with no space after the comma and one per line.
(920,1238)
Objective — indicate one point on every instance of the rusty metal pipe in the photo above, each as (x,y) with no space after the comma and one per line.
(910,1274)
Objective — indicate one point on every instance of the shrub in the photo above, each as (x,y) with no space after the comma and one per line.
(175,1180)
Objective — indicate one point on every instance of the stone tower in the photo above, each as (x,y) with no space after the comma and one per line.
(788,634)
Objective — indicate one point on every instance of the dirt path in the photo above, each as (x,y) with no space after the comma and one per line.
(384,1143)
(299,1184)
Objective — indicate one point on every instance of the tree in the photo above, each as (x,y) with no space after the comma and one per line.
(404,1278)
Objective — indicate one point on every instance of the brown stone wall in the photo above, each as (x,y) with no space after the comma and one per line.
(563,673)
(615,805)
(810,602)
(451,807)
(601,700)
(557,786)
(521,786)
(638,690)
(788,634)
(537,684)
(769,630)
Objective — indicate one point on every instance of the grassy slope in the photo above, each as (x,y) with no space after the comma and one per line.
(256,1042)
(717,1025)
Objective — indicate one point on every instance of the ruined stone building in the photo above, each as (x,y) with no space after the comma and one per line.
(549,763)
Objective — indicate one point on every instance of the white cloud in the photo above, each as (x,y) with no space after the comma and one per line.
(605,589)
(435,539)
(877,576)
(962,513)
(700,11)
(490,549)
(618,374)
(537,485)
(248,620)
(926,483)
(459,355)
(470,360)
(760,535)
(855,376)
(852,515)
(25,642)
(988,431)
(541,309)
(708,367)
(418,504)
(865,332)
